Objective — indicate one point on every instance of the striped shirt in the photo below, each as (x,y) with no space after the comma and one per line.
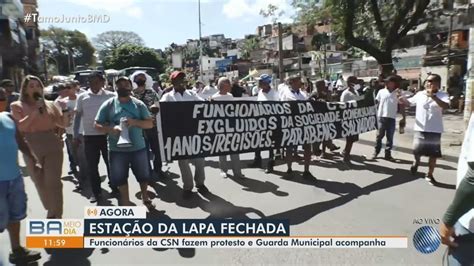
(87,106)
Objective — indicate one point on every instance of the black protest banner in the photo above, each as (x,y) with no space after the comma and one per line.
(202,129)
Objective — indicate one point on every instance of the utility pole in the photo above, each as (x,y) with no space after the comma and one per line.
(200,42)
(450,32)
(280,52)
(469,100)
(45,65)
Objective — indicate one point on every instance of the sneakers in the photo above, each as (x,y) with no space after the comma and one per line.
(114,191)
(95,198)
(334,148)
(389,157)
(374,156)
(223,174)
(430,179)
(270,167)
(202,189)
(23,255)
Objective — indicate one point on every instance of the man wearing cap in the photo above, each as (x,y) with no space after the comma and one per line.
(124,112)
(10,93)
(179,94)
(387,100)
(294,93)
(95,142)
(149,97)
(266,93)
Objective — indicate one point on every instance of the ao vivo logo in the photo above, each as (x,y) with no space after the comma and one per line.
(55,227)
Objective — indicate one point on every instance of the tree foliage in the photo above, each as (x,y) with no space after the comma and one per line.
(68,48)
(249,45)
(108,41)
(373,26)
(130,55)
(273,12)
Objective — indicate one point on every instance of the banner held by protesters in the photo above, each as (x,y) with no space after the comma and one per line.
(204,129)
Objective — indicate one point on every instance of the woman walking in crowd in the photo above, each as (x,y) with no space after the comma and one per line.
(38,121)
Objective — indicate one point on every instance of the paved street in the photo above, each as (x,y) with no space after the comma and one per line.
(374,198)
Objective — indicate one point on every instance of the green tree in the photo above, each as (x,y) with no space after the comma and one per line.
(273,12)
(68,48)
(108,41)
(130,55)
(369,25)
(249,45)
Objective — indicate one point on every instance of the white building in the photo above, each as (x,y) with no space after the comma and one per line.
(209,63)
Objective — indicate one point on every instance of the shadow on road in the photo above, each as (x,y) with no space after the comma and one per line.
(161,215)
(217,207)
(257,186)
(74,256)
(168,191)
(304,213)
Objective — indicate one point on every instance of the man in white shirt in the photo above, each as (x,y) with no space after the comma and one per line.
(224,87)
(294,93)
(266,93)
(180,94)
(255,90)
(429,124)
(350,94)
(283,87)
(387,100)
(210,89)
(95,142)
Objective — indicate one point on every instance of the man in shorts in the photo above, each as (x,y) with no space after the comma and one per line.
(12,189)
(117,114)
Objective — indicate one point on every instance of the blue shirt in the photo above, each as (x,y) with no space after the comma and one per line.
(110,113)
(9,168)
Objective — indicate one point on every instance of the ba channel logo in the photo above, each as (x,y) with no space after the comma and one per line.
(55,227)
